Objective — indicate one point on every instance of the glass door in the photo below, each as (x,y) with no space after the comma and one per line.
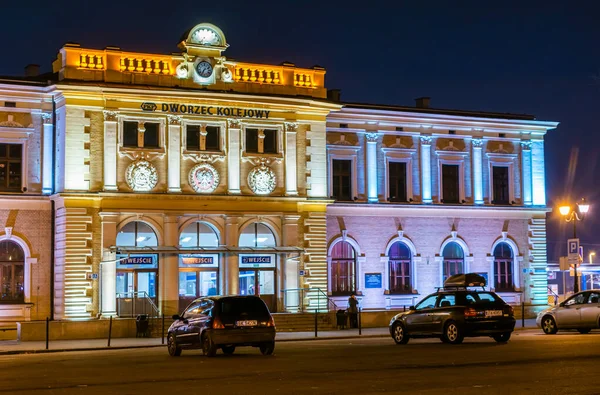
(194,284)
(261,283)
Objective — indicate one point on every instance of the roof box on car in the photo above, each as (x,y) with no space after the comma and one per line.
(465,280)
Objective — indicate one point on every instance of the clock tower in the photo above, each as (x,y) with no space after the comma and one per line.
(202,47)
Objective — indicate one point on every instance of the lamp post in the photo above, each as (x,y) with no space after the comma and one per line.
(591,255)
(573,215)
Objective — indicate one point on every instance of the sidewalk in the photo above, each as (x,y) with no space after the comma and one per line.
(15,347)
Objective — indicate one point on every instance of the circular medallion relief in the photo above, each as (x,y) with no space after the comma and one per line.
(262,180)
(204,178)
(141,176)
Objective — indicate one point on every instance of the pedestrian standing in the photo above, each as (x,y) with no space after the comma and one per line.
(353,311)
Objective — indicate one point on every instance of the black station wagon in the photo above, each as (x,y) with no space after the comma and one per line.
(455,312)
(224,322)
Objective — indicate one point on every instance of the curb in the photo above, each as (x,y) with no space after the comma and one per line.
(303,339)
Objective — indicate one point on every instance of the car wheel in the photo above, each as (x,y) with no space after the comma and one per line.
(208,347)
(549,325)
(584,331)
(267,348)
(502,337)
(453,333)
(228,349)
(174,349)
(399,333)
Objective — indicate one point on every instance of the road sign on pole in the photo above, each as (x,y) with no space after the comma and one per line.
(573,251)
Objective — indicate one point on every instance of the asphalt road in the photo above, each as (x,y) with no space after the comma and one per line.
(531,363)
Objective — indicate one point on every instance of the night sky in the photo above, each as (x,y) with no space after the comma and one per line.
(542,58)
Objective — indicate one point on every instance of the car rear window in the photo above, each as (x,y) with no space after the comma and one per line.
(238,306)
(481,298)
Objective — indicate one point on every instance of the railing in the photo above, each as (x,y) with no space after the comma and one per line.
(553,295)
(130,304)
(293,300)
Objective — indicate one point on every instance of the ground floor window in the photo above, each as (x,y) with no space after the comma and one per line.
(258,276)
(12,272)
(343,269)
(399,261)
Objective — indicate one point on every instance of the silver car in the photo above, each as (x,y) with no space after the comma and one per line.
(581,311)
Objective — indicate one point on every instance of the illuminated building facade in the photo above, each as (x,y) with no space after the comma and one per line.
(145,181)
(186,175)
(421,194)
(26,129)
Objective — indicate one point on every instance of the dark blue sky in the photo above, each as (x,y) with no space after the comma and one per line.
(539,58)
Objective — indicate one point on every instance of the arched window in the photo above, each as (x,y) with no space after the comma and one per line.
(400,262)
(503,268)
(199,234)
(137,234)
(257,235)
(343,269)
(454,260)
(12,272)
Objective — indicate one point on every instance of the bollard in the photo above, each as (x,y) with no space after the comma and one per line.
(47,331)
(109,329)
(522,314)
(163,329)
(316,321)
(359,322)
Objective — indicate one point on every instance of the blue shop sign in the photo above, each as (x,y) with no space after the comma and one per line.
(372,280)
(197,260)
(139,260)
(251,260)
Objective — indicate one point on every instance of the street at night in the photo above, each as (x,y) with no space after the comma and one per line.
(530,363)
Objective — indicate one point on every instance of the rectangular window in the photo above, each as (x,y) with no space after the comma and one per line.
(342,179)
(10,167)
(252,141)
(397,181)
(130,134)
(500,185)
(503,275)
(151,139)
(342,277)
(212,138)
(450,184)
(192,135)
(270,142)
(400,277)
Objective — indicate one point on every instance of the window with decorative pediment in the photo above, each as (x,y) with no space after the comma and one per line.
(343,269)
(12,273)
(503,268)
(400,265)
(453,260)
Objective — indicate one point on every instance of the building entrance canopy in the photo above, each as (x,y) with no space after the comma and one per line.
(206,250)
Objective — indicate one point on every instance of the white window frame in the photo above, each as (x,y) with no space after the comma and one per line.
(414,259)
(451,158)
(280,138)
(346,153)
(467,257)
(517,259)
(501,160)
(18,136)
(161,133)
(399,155)
(222,125)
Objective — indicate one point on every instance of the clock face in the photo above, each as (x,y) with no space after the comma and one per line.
(204,69)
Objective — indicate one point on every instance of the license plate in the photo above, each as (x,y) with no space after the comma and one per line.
(247,323)
(493,313)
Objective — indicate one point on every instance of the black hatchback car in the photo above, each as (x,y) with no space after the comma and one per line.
(224,322)
(455,312)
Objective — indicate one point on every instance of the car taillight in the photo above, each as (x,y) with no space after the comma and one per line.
(470,312)
(509,310)
(271,322)
(217,324)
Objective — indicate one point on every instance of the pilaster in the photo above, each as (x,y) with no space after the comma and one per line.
(526,169)
(291,182)
(426,168)
(233,156)
(169,269)
(47,153)
(108,265)
(372,167)
(477,170)
(174,154)
(110,150)
(232,267)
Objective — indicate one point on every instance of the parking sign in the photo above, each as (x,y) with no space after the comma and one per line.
(573,249)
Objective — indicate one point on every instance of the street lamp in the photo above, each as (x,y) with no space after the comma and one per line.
(591,255)
(573,215)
